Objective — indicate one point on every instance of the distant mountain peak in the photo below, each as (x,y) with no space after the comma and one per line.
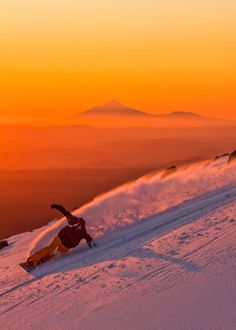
(113,104)
(114,107)
(183,114)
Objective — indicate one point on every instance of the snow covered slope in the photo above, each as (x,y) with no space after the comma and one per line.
(166,259)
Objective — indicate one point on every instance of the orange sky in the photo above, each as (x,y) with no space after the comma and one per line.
(60,57)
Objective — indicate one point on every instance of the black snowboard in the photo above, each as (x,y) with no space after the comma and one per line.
(26,267)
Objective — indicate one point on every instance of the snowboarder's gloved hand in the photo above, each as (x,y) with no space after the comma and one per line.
(55,206)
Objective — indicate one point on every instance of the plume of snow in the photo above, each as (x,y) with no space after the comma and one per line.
(144,198)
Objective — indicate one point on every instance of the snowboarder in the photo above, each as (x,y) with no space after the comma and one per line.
(68,238)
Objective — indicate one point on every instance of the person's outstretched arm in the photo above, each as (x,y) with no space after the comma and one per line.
(61,208)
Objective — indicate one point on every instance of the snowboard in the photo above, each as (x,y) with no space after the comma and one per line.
(29,268)
(26,267)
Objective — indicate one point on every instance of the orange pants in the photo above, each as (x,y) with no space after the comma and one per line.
(47,252)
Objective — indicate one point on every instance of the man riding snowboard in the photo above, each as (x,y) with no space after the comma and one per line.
(68,238)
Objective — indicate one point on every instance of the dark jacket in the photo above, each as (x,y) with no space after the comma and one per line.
(71,236)
(74,232)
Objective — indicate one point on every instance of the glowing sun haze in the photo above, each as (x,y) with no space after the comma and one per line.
(61,57)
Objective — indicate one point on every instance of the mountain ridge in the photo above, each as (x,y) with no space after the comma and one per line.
(115,108)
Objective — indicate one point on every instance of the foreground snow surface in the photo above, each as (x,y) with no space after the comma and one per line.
(173,270)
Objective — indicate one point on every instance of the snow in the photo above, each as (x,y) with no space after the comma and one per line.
(165,259)
(144,198)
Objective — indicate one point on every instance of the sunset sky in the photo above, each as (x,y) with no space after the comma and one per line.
(61,57)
